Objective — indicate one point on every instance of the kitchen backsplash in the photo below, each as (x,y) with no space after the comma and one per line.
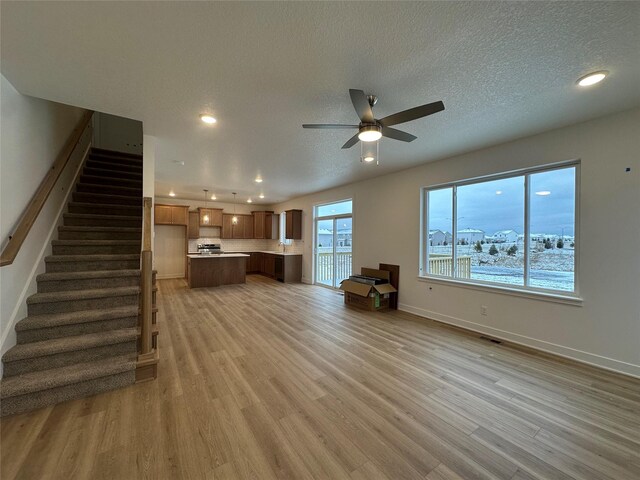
(254,245)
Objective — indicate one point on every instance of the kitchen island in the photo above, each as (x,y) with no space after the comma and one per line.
(215,270)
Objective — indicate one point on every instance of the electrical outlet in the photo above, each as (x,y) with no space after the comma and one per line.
(483,310)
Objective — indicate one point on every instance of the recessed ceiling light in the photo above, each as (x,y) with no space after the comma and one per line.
(172,194)
(368,159)
(179,162)
(258,179)
(262,195)
(543,193)
(370,133)
(249,200)
(213,197)
(498,192)
(592,78)
(208,119)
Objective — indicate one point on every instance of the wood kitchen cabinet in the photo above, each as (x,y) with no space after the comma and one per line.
(271,223)
(171,214)
(259,224)
(210,217)
(269,268)
(227,226)
(293,224)
(247,228)
(265,225)
(194,225)
(238,228)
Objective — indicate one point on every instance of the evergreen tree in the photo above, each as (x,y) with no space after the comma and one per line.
(512,250)
(478,247)
(547,244)
(560,243)
(493,250)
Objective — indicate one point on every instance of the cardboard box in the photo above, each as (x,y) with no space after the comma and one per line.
(368,297)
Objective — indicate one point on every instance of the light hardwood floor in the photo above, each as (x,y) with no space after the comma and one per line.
(271,381)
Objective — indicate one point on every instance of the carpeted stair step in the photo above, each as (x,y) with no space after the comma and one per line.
(101,220)
(38,328)
(115,153)
(70,301)
(60,352)
(101,180)
(87,280)
(105,199)
(99,233)
(95,247)
(112,173)
(109,189)
(120,167)
(77,263)
(106,209)
(115,161)
(39,389)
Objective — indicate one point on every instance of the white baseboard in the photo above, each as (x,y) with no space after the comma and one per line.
(548,347)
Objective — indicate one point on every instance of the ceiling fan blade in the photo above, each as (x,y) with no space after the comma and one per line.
(397,134)
(412,114)
(327,125)
(361,104)
(352,141)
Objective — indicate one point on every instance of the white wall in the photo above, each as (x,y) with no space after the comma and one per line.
(605,330)
(32,133)
(117,133)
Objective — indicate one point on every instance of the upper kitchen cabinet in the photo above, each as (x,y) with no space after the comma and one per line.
(171,214)
(210,217)
(259,224)
(265,225)
(241,230)
(293,225)
(194,225)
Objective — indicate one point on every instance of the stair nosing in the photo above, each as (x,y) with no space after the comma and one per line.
(87,228)
(64,376)
(112,178)
(102,185)
(50,320)
(92,257)
(24,351)
(97,215)
(84,275)
(85,294)
(94,242)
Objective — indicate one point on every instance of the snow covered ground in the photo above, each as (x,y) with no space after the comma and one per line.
(549,268)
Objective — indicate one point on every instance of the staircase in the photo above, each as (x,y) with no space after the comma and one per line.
(81,333)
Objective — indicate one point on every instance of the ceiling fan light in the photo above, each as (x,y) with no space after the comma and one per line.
(370,133)
(368,159)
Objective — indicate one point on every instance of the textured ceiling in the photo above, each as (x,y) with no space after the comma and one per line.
(504,70)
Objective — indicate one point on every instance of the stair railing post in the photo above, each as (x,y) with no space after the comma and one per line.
(146,282)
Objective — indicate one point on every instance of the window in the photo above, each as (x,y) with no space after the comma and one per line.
(516,230)
(283,232)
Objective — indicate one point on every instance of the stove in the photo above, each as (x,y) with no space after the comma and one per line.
(209,249)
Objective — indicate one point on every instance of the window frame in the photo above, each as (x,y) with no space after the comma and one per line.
(525,289)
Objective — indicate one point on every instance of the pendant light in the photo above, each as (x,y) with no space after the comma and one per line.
(234,219)
(206,213)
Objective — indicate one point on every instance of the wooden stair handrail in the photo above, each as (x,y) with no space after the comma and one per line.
(41,195)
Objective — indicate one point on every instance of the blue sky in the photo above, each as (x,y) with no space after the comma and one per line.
(499,204)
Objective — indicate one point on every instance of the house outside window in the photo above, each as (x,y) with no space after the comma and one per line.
(515,230)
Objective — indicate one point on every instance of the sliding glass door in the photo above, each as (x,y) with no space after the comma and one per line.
(333,243)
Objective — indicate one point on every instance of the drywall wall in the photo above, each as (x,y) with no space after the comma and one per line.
(32,133)
(117,133)
(605,329)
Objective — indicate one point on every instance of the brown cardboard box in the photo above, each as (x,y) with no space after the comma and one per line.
(368,297)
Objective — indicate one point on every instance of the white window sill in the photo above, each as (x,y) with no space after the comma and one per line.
(499,289)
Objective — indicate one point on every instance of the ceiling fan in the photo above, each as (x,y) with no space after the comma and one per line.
(371,129)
